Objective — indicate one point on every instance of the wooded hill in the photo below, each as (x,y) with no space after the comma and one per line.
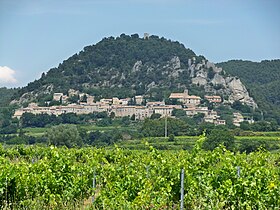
(262,80)
(128,65)
(124,66)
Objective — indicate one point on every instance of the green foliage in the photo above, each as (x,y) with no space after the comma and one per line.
(237,105)
(178,113)
(259,126)
(262,80)
(198,118)
(7,124)
(104,122)
(264,126)
(226,113)
(249,146)
(219,137)
(74,99)
(64,135)
(32,120)
(171,137)
(42,120)
(125,121)
(5,95)
(9,129)
(112,115)
(111,58)
(156,127)
(60,178)
(155,116)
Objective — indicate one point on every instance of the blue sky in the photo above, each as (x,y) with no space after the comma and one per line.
(36,35)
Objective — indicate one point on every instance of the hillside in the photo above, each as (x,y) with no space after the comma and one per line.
(122,66)
(126,66)
(5,95)
(263,81)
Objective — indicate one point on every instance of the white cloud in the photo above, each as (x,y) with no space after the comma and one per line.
(7,76)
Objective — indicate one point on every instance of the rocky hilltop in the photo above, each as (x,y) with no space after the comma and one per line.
(129,65)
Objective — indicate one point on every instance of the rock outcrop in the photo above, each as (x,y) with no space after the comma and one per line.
(33,95)
(238,92)
(218,80)
(228,86)
(175,62)
(137,66)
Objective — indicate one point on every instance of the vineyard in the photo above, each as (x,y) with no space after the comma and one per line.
(90,178)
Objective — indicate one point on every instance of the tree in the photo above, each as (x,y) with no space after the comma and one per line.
(93,136)
(112,115)
(249,146)
(245,125)
(198,118)
(132,117)
(104,122)
(205,127)
(70,118)
(83,98)
(217,137)
(178,113)
(64,135)
(155,116)
(241,107)
(73,99)
(135,36)
(156,127)
(125,121)
(171,137)
(264,126)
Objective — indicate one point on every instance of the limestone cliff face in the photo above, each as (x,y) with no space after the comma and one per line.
(216,81)
(238,92)
(33,95)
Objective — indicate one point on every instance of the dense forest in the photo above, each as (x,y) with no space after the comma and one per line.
(262,80)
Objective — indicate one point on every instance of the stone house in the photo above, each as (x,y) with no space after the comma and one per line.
(237,119)
(57,96)
(139,100)
(123,111)
(213,99)
(185,98)
(155,103)
(165,110)
(191,111)
(142,112)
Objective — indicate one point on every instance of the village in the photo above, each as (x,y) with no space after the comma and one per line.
(191,104)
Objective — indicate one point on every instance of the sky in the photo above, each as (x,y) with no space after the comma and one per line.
(36,35)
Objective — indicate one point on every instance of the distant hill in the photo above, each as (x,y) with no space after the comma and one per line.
(262,80)
(129,65)
(122,66)
(126,66)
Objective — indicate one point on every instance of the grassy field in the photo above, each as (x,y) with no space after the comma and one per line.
(180,142)
(37,132)
(258,138)
(187,142)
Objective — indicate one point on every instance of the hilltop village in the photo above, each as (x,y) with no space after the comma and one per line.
(191,104)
